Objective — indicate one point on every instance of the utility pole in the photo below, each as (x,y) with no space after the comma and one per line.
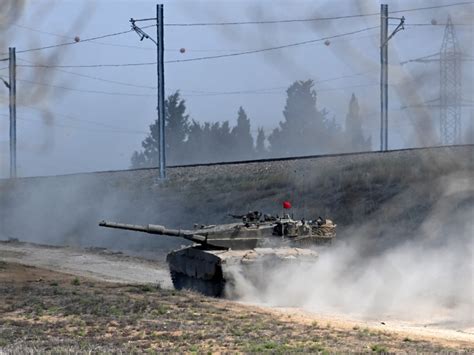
(383,76)
(160,73)
(12,90)
(384,38)
(160,69)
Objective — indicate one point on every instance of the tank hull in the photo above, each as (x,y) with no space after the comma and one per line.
(212,272)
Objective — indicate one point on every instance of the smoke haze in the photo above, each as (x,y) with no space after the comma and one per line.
(425,276)
(64,131)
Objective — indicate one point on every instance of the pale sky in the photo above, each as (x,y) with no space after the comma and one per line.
(65,131)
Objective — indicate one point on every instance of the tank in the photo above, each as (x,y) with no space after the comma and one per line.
(247,248)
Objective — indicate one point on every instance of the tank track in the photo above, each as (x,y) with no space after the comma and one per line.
(213,288)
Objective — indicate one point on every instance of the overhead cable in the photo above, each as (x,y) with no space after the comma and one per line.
(433,7)
(237,23)
(190,92)
(207,57)
(94,77)
(85,91)
(72,42)
(72,118)
(71,38)
(265,22)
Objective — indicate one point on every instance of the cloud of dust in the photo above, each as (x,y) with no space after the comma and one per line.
(427,276)
(66,211)
(14,19)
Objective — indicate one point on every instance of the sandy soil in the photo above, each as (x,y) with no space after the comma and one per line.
(106,266)
(415,330)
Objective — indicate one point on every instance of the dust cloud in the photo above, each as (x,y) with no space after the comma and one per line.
(426,276)
(35,98)
(65,211)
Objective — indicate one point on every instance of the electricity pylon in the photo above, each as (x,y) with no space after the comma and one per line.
(450,87)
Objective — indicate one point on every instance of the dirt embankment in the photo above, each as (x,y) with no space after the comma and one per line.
(394,190)
(46,310)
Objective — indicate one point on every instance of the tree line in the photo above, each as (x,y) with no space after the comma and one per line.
(304,130)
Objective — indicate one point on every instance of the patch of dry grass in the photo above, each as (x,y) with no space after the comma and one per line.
(47,311)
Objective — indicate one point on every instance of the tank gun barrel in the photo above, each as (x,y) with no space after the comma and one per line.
(156,229)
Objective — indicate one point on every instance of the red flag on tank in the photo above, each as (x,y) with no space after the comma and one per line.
(286,205)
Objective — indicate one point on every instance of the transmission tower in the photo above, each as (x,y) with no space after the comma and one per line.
(450,87)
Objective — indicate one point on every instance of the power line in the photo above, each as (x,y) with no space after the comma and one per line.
(80,128)
(41,31)
(429,58)
(226,23)
(86,91)
(272,48)
(433,7)
(271,91)
(435,24)
(71,38)
(198,92)
(135,47)
(88,65)
(420,58)
(76,119)
(266,22)
(208,57)
(73,42)
(94,77)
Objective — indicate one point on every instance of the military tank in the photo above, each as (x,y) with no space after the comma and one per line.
(256,242)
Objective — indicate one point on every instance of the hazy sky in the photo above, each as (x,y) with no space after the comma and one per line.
(65,131)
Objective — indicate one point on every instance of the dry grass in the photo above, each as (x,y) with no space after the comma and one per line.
(48,311)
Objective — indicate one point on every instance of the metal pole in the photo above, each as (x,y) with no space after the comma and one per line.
(383,76)
(161,88)
(12,91)
(386,77)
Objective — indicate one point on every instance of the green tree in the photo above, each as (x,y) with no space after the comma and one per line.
(354,136)
(176,131)
(242,139)
(195,143)
(305,129)
(220,147)
(260,144)
(209,142)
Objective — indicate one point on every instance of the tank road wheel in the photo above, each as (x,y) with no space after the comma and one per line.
(213,288)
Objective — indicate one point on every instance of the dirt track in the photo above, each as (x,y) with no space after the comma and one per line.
(112,267)
(97,264)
